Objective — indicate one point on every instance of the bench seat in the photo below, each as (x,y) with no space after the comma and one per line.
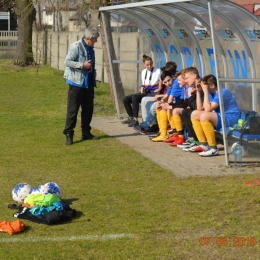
(246,137)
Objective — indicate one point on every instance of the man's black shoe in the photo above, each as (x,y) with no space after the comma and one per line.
(69,139)
(152,129)
(127,121)
(133,122)
(89,137)
(139,129)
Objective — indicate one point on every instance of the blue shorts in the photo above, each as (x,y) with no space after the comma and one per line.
(231,119)
(219,124)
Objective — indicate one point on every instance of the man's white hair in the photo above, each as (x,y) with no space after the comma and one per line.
(90,33)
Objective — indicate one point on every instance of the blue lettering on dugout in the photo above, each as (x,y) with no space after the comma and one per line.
(160,56)
(172,51)
(237,63)
(188,56)
(212,63)
(200,62)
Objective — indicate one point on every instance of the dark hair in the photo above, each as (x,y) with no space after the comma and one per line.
(165,73)
(171,63)
(145,58)
(210,80)
(170,66)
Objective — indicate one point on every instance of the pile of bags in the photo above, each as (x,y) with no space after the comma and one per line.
(42,204)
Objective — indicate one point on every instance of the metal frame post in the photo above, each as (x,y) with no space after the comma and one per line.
(110,65)
(224,132)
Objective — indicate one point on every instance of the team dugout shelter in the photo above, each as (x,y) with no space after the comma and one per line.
(218,37)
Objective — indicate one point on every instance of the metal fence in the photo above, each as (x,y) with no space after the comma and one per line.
(50,48)
(8,34)
(8,43)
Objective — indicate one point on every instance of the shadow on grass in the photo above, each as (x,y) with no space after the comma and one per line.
(27,229)
(78,216)
(102,138)
(69,201)
(126,135)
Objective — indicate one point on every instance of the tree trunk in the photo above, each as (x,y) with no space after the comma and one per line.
(60,26)
(39,17)
(26,15)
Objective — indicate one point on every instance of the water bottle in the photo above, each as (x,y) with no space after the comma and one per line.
(237,151)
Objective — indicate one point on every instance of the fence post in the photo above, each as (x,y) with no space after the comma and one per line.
(36,49)
(102,67)
(50,49)
(67,42)
(58,54)
(45,47)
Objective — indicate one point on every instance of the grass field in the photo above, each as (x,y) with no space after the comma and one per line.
(127,207)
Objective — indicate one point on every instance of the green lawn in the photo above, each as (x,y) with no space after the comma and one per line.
(127,206)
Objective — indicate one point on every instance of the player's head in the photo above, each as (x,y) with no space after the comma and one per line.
(211,81)
(191,75)
(181,78)
(148,62)
(166,77)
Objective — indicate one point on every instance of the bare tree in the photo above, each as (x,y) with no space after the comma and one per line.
(39,11)
(26,13)
(84,16)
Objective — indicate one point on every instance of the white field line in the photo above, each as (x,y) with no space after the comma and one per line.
(64,239)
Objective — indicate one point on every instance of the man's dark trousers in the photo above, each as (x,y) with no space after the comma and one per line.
(79,97)
(186,114)
(135,100)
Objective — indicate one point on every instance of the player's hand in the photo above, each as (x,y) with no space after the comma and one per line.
(87,65)
(199,86)
(193,90)
(204,87)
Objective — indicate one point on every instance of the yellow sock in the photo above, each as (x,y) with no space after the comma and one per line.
(199,130)
(158,117)
(163,122)
(178,124)
(170,118)
(209,132)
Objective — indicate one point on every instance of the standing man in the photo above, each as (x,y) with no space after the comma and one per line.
(80,74)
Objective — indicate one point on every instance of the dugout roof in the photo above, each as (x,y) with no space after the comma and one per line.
(217,36)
